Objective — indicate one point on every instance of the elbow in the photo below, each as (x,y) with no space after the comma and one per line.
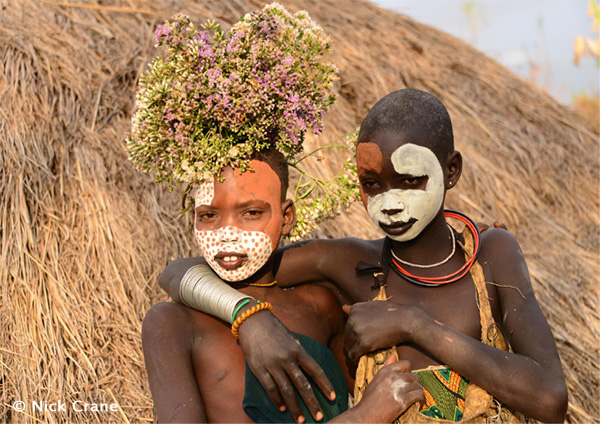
(164,279)
(561,403)
(173,273)
(555,403)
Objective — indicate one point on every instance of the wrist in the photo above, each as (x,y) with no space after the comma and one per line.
(242,306)
(247,313)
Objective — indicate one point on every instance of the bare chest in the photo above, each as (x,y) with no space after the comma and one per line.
(454,304)
(219,363)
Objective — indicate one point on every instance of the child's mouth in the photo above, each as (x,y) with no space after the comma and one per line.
(230,260)
(397,228)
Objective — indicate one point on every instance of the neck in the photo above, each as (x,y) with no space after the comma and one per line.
(432,245)
(262,278)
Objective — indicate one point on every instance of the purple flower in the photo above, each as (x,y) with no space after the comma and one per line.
(162,31)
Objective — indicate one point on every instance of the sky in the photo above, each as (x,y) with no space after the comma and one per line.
(533,38)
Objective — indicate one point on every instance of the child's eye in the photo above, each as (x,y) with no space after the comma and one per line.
(206,216)
(369,184)
(253,214)
(414,181)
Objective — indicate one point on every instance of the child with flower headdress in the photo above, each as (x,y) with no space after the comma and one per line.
(458,305)
(224,113)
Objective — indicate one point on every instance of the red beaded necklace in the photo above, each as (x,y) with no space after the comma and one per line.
(453,277)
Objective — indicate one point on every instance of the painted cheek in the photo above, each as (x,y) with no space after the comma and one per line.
(257,246)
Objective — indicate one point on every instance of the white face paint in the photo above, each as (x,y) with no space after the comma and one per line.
(205,193)
(254,247)
(398,206)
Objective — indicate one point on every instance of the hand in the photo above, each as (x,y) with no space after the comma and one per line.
(393,390)
(373,325)
(484,226)
(276,357)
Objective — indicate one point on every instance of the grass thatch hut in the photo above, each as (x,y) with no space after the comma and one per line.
(83,235)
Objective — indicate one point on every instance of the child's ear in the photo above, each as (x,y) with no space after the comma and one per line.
(289,217)
(454,169)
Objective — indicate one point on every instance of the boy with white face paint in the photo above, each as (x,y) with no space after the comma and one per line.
(455,300)
(414,207)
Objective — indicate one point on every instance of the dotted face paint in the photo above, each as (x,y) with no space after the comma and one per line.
(205,193)
(226,243)
(410,204)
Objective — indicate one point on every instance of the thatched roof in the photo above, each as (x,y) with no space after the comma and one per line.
(84,235)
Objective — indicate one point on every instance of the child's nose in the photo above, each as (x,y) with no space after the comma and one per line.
(228,234)
(391,205)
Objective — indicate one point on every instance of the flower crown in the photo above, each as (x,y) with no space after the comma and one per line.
(215,98)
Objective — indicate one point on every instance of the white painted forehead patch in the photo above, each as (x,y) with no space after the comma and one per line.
(416,161)
(205,193)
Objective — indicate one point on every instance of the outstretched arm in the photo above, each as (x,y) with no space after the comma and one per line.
(278,365)
(529,379)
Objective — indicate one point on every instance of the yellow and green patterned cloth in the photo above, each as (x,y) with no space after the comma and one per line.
(444,393)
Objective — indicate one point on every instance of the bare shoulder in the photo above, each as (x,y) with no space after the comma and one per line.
(503,257)
(168,321)
(499,246)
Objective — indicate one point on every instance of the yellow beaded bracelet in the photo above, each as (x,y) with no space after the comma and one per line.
(260,306)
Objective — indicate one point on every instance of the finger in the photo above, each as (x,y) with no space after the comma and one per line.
(414,396)
(272,391)
(306,391)
(355,352)
(311,367)
(417,392)
(289,396)
(350,343)
(403,366)
(391,359)
(346,308)
(499,225)
(348,337)
(482,226)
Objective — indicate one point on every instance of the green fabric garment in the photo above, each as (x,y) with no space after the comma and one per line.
(260,409)
(444,393)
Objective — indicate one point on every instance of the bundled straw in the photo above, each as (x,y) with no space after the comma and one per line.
(83,236)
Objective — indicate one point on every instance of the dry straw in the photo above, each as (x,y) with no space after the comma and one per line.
(84,236)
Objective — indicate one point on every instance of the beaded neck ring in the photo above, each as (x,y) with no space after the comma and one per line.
(263,285)
(430,266)
(453,277)
(258,285)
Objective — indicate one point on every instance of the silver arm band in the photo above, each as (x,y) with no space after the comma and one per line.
(202,290)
